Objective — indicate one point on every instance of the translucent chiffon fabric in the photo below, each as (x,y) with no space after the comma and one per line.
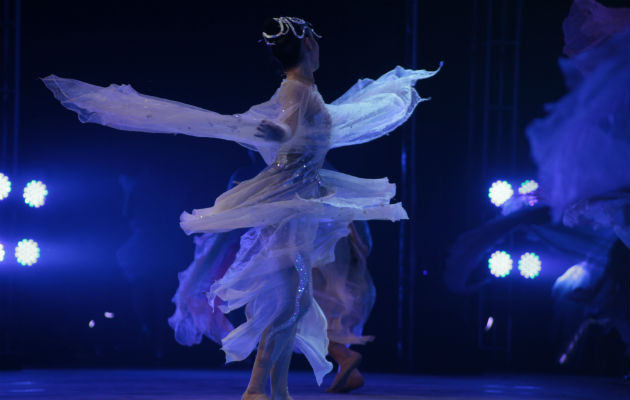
(295,210)
(343,288)
(582,147)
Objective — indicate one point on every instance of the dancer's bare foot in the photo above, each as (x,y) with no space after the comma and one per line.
(354,381)
(254,396)
(349,363)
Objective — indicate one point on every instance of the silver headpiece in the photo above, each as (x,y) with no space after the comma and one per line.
(288,24)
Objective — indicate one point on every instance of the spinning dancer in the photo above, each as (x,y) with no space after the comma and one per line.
(295,210)
(343,289)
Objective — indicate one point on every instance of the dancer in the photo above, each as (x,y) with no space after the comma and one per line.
(295,210)
(582,147)
(343,289)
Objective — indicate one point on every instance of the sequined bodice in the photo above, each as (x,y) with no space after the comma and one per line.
(311,139)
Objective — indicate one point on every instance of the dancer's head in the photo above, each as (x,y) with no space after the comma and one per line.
(292,42)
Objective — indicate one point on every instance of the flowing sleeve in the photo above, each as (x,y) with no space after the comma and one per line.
(122,107)
(373,108)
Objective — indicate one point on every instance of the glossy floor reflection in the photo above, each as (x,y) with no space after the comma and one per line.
(229,384)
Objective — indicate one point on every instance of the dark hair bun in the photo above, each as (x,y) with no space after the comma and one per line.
(286,48)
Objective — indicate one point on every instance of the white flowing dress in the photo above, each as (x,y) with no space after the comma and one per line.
(295,210)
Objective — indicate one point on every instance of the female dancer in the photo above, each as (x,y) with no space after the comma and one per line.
(343,289)
(295,210)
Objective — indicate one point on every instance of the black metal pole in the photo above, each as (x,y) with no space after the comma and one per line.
(16,85)
(407,235)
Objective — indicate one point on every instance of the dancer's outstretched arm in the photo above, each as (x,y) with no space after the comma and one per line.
(122,107)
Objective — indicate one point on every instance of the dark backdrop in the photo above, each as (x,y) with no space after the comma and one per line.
(109,234)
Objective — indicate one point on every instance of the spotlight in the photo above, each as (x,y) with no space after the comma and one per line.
(489,324)
(528,186)
(35,194)
(109,315)
(529,264)
(5,186)
(91,324)
(500,192)
(27,252)
(500,264)
(2,252)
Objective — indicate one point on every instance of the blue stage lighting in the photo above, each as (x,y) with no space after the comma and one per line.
(489,324)
(529,264)
(528,186)
(500,192)
(2,252)
(5,186)
(27,252)
(35,194)
(500,264)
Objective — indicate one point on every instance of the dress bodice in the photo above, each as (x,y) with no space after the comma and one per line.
(305,113)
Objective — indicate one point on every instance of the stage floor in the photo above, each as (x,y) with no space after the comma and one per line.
(229,384)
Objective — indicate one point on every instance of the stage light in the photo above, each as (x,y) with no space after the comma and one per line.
(109,315)
(500,264)
(528,186)
(91,324)
(2,252)
(5,186)
(529,264)
(500,192)
(27,252)
(489,324)
(35,194)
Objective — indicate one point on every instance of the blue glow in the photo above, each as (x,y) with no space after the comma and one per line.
(500,192)
(500,264)
(529,264)
(489,324)
(5,186)
(2,252)
(35,194)
(27,252)
(528,186)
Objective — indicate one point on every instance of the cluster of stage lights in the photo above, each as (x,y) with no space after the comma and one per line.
(500,264)
(26,252)
(34,194)
(501,191)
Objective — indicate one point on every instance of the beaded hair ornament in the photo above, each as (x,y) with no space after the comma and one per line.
(289,24)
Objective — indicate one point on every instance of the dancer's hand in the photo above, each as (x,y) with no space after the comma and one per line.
(270,131)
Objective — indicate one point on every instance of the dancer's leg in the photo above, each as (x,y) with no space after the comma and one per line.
(284,329)
(260,372)
(280,369)
(276,346)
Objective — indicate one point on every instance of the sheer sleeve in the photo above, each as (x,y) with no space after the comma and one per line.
(121,107)
(373,108)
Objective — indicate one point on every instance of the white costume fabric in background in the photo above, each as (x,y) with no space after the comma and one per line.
(582,147)
(295,210)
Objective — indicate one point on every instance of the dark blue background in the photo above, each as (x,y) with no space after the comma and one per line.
(207,54)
